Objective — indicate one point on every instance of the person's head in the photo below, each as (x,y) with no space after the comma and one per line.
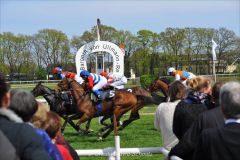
(39,119)
(230,100)
(4,92)
(171,71)
(84,74)
(57,70)
(104,74)
(200,84)
(176,91)
(216,91)
(23,103)
(53,124)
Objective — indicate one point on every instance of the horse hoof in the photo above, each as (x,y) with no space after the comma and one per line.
(90,130)
(120,123)
(99,139)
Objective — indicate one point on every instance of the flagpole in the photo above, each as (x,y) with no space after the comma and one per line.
(214,72)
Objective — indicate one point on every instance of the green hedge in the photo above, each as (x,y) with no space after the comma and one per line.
(146,80)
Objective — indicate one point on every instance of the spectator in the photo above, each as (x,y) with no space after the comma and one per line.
(223,142)
(164,114)
(40,119)
(27,143)
(210,119)
(53,129)
(188,109)
(25,106)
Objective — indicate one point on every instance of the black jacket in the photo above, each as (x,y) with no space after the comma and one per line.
(186,146)
(23,137)
(184,115)
(7,151)
(219,143)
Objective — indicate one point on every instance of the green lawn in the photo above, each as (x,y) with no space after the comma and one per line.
(140,133)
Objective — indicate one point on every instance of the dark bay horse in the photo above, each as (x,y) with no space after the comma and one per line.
(58,106)
(159,84)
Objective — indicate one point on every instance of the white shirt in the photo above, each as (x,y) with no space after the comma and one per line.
(163,122)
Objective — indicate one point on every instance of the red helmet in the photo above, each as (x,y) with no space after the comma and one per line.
(57,70)
(105,74)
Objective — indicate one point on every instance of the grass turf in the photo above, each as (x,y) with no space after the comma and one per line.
(139,134)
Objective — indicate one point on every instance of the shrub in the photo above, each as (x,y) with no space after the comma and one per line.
(146,80)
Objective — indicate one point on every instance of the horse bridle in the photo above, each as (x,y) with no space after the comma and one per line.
(71,81)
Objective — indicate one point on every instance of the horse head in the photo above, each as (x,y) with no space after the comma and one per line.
(40,90)
(153,86)
(64,84)
(77,89)
(157,85)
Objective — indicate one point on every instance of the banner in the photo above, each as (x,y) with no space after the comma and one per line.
(214,45)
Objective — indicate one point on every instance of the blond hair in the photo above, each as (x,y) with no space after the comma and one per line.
(198,83)
(39,119)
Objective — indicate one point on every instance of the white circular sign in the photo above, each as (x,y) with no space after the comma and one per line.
(97,46)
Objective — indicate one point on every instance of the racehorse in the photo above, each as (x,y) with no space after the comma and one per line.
(161,85)
(123,101)
(57,105)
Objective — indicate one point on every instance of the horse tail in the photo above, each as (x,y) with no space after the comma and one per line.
(145,100)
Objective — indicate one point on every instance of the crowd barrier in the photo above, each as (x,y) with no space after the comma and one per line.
(110,153)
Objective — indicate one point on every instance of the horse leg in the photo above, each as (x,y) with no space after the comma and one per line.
(118,112)
(134,116)
(83,119)
(103,119)
(64,125)
(106,126)
(88,126)
(75,116)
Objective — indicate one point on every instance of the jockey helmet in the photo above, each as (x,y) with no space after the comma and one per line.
(57,70)
(171,69)
(104,74)
(84,73)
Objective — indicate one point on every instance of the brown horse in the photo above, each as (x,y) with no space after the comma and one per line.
(122,102)
(157,85)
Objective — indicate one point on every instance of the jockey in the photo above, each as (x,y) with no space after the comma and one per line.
(115,80)
(95,82)
(180,75)
(61,75)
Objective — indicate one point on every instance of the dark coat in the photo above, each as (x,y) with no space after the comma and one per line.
(184,115)
(219,143)
(7,151)
(23,137)
(186,146)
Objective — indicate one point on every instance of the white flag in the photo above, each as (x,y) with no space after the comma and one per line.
(214,45)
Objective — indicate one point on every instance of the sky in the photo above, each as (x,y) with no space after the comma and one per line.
(74,17)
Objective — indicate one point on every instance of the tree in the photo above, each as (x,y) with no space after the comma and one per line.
(225,40)
(78,41)
(53,47)
(174,38)
(16,52)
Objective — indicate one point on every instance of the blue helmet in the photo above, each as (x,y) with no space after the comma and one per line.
(84,73)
